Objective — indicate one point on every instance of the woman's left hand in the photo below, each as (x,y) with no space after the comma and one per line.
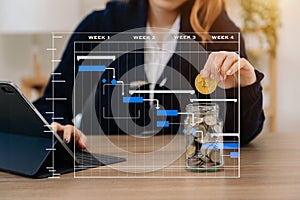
(224,67)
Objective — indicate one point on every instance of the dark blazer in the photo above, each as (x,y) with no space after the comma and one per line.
(119,17)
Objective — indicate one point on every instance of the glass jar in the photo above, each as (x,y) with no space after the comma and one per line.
(204,141)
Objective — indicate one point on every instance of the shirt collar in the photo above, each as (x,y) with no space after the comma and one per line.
(174,29)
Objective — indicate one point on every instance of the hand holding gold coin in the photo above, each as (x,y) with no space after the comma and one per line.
(223,68)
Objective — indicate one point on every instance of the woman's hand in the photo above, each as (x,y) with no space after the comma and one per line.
(224,66)
(68,131)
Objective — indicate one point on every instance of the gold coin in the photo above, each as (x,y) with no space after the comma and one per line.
(205,85)
(191,150)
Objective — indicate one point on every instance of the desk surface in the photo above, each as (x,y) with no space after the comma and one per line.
(270,169)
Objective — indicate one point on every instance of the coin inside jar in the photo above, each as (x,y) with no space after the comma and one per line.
(218,128)
(201,131)
(214,155)
(205,85)
(191,150)
(210,120)
(203,157)
(195,161)
(199,120)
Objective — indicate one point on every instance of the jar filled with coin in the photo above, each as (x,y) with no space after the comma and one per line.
(203,129)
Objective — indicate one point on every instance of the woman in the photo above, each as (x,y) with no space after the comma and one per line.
(199,16)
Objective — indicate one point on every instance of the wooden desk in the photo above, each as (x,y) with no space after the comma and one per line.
(270,169)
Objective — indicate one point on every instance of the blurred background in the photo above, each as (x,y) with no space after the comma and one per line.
(270,28)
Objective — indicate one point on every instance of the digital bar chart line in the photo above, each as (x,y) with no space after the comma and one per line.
(48,131)
(225,134)
(215,100)
(114,71)
(49,167)
(57,37)
(166,113)
(161,92)
(202,137)
(49,113)
(121,83)
(96,58)
(50,149)
(51,49)
(162,124)
(225,145)
(107,84)
(58,118)
(132,99)
(156,100)
(193,116)
(58,81)
(54,73)
(91,68)
(234,154)
(55,61)
(56,99)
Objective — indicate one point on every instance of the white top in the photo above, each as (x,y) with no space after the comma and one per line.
(157,56)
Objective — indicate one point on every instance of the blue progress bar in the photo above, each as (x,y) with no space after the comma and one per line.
(91,68)
(162,113)
(132,99)
(234,154)
(161,124)
(230,145)
(220,145)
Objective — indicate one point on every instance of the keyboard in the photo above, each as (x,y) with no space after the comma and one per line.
(87,159)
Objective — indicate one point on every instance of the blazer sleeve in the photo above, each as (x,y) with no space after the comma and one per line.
(251,98)
(63,109)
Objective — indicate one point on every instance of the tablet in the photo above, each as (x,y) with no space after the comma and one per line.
(28,144)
